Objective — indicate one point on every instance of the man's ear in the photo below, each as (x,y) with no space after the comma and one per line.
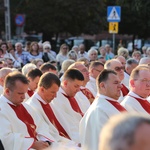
(132,83)
(29,79)
(92,70)
(65,82)
(7,91)
(41,88)
(102,85)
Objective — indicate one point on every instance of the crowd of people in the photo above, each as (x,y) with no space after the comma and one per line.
(76,99)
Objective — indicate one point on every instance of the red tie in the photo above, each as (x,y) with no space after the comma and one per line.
(117,105)
(144,103)
(52,118)
(88,94)
(74,104)
(25,117)
(30,92)
(124,90)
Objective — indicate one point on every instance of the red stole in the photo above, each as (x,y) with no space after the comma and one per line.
(117,105)
(74,104)
(124,90)
(26,118)
(52,118)
(88,94)
(30,92)
(144,103)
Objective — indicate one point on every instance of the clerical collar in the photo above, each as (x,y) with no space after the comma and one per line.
(40,98)
(106,97)
(92,79)
(82,87)
(135,95)
(7,100)
(62,91)
(126,73)
(30,89)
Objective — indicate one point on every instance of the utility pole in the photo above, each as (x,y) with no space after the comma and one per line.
(7,20)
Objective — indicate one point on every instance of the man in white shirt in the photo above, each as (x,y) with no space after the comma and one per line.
(131,63)
(33,76)
(94,70)
(104,106)
(20,128)
(67,103)
(116,65)
(139,90)
(82,52)
(88,96)
(122,59)
(47,89)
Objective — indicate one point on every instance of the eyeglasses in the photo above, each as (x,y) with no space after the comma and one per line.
(47,48)
(98,70)
(84,70)
(143,80)
(119,68)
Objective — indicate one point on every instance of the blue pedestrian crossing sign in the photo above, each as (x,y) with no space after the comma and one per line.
(113,13)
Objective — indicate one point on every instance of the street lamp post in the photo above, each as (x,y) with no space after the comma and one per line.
(7,20)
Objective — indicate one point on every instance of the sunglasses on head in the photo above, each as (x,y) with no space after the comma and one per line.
(119,68)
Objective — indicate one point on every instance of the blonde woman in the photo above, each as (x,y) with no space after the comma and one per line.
(62,55)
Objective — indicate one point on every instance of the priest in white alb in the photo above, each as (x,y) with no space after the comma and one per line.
(104,106)
(47,90)
(136,99)
(67,104)
(20,127)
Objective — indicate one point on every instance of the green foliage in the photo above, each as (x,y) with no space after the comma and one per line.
(57,16)
(80,16)
(135,18)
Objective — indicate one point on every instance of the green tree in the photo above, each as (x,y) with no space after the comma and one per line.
(135,17)
(58,16)
(2,16)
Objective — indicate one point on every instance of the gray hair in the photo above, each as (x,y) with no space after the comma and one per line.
(131,61)
(144,60)
(91,51)
(144,48)
(19,43)
(72,55)
(148,49)
(26,68)
(75,46)
(4,72)
(118,133)
(123,52)
(66,63)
